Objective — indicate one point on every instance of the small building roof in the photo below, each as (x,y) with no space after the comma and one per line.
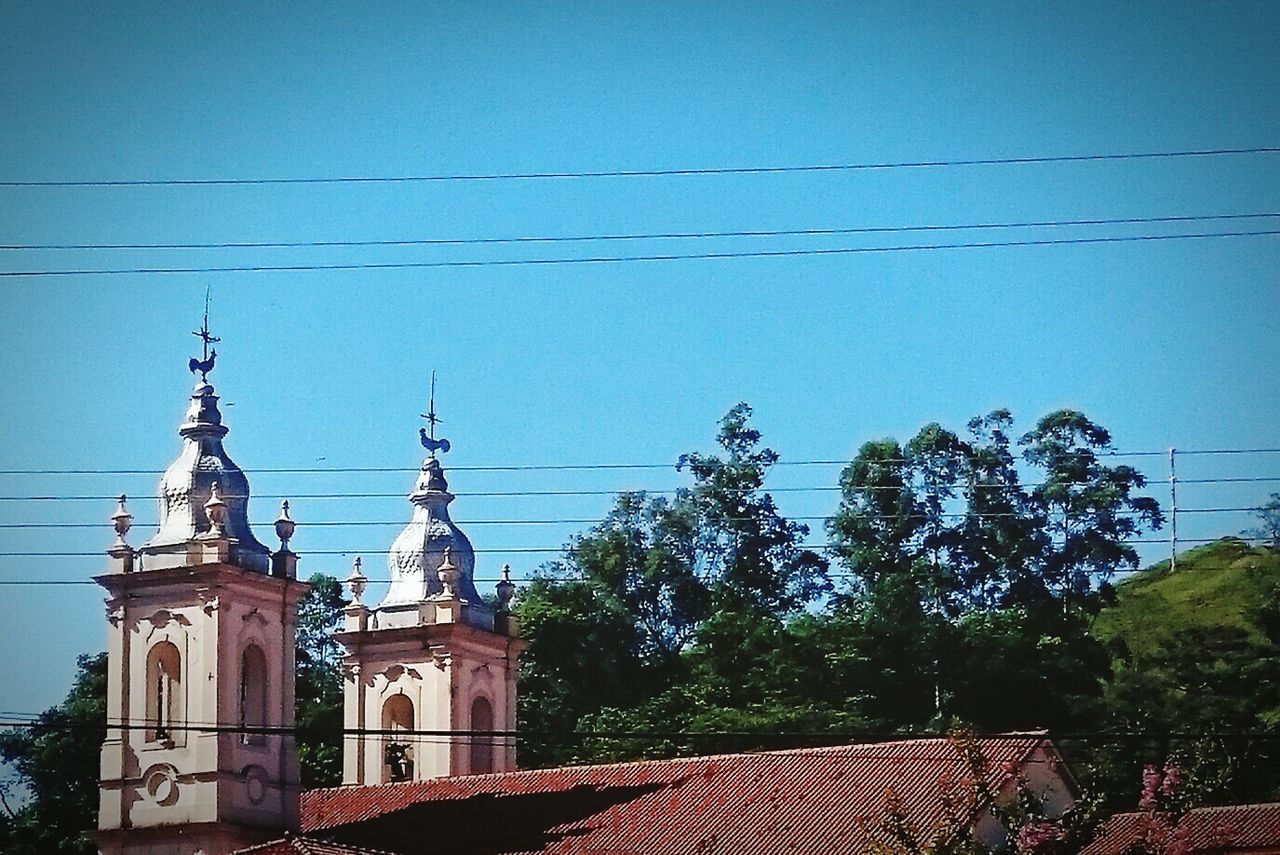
(811,800)
(1230,828)
(294,845)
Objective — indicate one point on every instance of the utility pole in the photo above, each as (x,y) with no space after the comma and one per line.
(1173,510)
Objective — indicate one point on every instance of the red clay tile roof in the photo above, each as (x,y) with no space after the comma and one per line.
(1241,827)
(292,845)
(813,800)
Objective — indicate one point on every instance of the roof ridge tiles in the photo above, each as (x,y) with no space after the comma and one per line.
(582,769)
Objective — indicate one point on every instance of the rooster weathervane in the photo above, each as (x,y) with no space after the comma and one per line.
(205,364)
(428,437)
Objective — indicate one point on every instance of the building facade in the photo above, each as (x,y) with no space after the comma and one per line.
(199,754)
(430,673)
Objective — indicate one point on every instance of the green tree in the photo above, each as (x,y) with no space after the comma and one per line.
(1268,530)
(1218,685)
(318,688)
(673,612)
(750,558)
(890,533)
(56,761)
(1089,510)
(607,623)
(1001,535)
(972,592)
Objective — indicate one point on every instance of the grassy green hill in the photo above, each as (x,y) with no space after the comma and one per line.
(1224,583)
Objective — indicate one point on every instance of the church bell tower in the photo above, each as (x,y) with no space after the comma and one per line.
(430,675)
(199,755)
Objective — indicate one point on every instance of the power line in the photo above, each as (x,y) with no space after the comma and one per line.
(553,239)
(574,467)
(869,736)
(594,520)
(648,173)
(958,488)
(618,259)
(562,579)
(532,550)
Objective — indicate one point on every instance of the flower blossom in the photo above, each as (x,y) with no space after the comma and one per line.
(1035,836)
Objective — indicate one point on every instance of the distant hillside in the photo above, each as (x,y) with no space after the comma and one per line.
(1224,583)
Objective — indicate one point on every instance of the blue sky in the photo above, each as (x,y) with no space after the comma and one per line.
(1166,343)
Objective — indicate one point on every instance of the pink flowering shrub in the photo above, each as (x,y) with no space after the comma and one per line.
(1164,830)
(1037,837)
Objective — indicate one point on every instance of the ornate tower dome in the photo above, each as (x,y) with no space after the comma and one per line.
(419,550)
(204,494)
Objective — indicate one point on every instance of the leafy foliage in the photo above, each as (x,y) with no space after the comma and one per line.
(972,592)
(669,615)
(1198,653)
(1268,529)
(318,689)
(57,758)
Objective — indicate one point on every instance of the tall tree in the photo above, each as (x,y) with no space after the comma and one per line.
(976,586)
(751,558)
(890,533)
(1001,535)
(606,623)
(669,611)
(1088,509)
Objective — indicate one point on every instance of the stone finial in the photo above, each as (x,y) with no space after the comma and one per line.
(123,521)
(506,590)
(356,582)
(216,510)
(285,525)
(448,574)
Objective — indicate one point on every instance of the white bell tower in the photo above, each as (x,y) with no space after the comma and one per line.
(199,754)
(432,656)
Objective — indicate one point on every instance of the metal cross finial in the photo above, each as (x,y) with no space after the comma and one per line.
(207,357)
(428,437)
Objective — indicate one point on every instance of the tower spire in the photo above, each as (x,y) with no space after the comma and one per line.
(207,356)
(428,434)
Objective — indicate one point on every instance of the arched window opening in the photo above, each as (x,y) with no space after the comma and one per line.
(481,746)
(253,695)
(397,753)
(164,691)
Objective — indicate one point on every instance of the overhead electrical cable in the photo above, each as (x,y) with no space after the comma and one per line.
(959,488)
(513,550)
(621,259)
(594,521)
(24,720)
(648,173)
(568,467)
(687,235)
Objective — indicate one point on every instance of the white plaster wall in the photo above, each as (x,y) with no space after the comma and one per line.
(441,679)
(200,777)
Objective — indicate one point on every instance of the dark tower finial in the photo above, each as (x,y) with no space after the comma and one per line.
(205,364)
(428,438)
